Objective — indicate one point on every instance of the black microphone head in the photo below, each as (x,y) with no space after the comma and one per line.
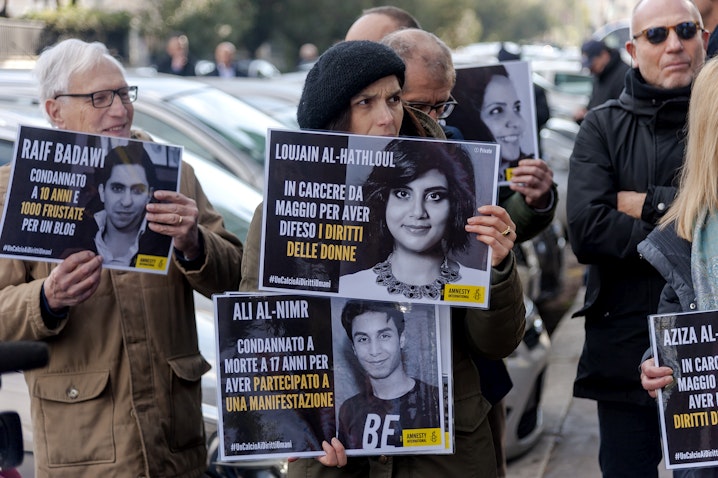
(22,355)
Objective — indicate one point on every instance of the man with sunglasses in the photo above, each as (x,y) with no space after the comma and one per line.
(121,393)
(622,178)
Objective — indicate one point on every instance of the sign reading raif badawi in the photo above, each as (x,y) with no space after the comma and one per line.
(70,192)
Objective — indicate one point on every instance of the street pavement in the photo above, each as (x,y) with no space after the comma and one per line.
(569,445)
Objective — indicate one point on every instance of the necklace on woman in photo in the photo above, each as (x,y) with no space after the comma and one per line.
(385,277)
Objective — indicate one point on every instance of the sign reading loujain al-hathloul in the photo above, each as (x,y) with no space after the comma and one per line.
(294,371)
(69,192)
(376,217)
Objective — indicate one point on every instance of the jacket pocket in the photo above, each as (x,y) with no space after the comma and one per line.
(76,415)
(470,406)
(187,429)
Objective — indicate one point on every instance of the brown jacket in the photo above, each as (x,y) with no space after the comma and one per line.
(493,333)
(121,393)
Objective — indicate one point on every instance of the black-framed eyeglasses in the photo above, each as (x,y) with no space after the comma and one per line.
(105,98)
(443,109)
(656,35)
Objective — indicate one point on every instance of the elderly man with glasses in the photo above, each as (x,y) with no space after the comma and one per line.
(622,179)
(121,393)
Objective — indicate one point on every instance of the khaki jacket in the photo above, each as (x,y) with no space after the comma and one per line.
(121,393)
(493,333)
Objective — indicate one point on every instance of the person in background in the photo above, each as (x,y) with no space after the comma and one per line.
(123,378)
(709,13)
(609,74)
(622,179)
(308,54)
(682,247)
(225,65)
(375,23)
(178,60)
(352,86)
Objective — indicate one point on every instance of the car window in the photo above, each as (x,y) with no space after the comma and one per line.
(244,126)
(158,128)
(6,151)
(573,83)
(233,223)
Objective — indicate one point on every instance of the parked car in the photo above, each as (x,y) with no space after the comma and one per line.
(527,367)
(567,86)
(557,139)
(274,96)
(207,122)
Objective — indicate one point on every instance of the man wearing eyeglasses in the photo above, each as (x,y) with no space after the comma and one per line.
(121,393)
(430,77)
(428,81)
(622,179)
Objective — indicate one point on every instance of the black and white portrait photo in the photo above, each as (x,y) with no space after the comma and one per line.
(386,374)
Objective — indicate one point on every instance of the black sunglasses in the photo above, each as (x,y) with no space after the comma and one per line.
(656,35)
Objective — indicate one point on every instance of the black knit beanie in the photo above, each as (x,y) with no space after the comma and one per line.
(340,74)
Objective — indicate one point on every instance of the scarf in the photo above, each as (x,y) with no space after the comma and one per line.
(704,261)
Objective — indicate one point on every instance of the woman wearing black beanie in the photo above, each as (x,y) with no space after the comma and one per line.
(355,87)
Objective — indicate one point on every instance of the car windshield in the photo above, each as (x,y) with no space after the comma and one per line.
(238,122)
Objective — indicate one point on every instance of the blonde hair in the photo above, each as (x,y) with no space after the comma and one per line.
(698,189)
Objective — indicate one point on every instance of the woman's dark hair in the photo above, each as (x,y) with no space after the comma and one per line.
(481,81)
(470,92)
(413,159)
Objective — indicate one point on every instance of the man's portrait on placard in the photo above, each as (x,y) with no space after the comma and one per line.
(386,371)
(116,224)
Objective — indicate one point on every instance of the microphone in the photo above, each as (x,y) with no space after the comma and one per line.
(22,355)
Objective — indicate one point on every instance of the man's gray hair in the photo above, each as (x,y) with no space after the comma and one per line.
(58,63)
(430,49)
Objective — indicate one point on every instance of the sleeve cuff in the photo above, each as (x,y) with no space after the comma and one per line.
(197,262)
(51,319)
(551,203)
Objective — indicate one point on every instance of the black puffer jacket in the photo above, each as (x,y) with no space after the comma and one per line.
(635,143)
(608,84)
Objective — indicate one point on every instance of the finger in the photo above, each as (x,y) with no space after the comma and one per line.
(171,197)
(340,451)
(330,457)
(63,288)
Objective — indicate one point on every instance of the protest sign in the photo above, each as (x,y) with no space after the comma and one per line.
(338,220)
(688,343)
(496,104)
(70,192)
(289,376)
